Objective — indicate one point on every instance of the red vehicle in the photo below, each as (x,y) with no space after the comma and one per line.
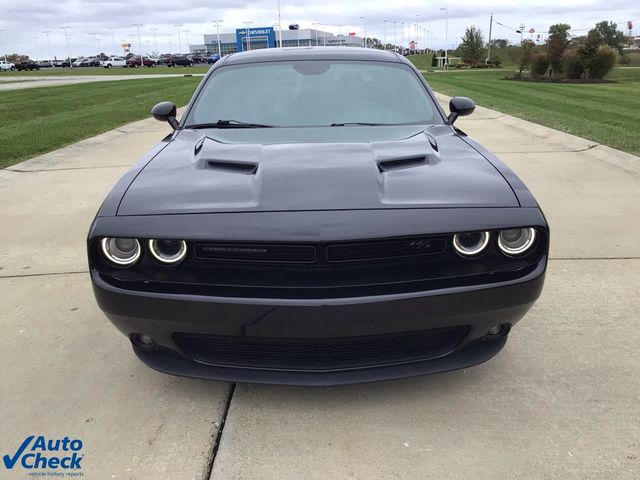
(135,62)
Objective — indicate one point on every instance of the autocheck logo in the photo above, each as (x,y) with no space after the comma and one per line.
(40,453)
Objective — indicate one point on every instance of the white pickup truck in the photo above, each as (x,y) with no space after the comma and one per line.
(4,65)
(113,62)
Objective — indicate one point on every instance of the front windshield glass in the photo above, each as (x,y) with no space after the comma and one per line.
(315,93)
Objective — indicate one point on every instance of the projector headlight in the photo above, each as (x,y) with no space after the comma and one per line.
(516,241)
(121,251)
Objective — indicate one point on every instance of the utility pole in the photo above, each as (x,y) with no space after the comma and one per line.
(417,35)
(5,55)
(186,34)
(365,30)
(140,43)
(179,38)
(218,22)
(155,42)
(47,32)
(489,44)
(66,36)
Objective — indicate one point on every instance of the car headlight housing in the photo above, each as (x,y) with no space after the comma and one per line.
(471,243)
(168,252)
(121,251)
(516,241)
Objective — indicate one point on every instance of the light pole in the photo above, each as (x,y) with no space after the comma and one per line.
(489,44)
(395,35)
(402,36)
(179,37)
(186,34)
(138,25)
(93,40)
(365,30)
(155,42)
(384,25)
(5,55)
(47,32)
(279,26)
(417,34)
(66,36)
(446,37)
(113,43)
(218,22)
(35,42)
(316,24)
(248,34)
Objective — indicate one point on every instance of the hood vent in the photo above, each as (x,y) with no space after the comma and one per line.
(232,167)
(401,163)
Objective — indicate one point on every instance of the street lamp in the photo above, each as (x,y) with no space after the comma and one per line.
(66,36)
(446,37)
(395,35)
(155,42)
(47,32)
(316,24)
(218,22)
(5,55)
(384,24)
(248,34)
(186,34)
(179,37)
(113,43)
(365,30)
(138,25)
(417,34)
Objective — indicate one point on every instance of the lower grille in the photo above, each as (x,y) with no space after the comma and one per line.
(322,353)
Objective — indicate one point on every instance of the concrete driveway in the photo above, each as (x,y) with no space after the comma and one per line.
(560,401)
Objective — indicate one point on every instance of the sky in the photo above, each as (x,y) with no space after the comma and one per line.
(96,26)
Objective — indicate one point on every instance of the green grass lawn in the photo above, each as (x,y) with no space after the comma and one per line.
(65,72)
(605,113)
(39,120)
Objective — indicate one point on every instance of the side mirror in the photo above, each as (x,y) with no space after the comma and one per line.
(165,112)
(460,107)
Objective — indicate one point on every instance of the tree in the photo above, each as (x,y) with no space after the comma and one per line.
(472,46)
(527,51)
(588,48)
(610,35)
(499,43)
(560,32)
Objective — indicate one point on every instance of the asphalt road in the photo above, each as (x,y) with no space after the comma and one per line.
(560,401)
(22,82)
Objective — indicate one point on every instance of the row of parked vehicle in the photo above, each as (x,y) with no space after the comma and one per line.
(131,61)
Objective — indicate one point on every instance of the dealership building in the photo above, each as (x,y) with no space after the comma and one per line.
(267,37)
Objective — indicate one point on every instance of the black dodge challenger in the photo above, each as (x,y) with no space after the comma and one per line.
(316,218)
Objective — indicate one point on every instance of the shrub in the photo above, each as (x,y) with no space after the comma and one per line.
(602,62)
(572,64)
(539,64)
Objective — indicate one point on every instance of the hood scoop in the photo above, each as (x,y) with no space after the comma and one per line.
(401,163)
(244,168)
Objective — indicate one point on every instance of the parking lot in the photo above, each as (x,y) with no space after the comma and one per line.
(560,401)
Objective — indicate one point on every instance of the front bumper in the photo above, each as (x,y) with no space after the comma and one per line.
(162,316)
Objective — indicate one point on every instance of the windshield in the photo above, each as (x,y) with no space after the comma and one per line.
(315,93)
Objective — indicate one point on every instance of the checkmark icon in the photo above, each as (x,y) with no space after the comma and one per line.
(10,462)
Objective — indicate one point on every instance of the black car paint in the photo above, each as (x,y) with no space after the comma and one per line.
(168,194)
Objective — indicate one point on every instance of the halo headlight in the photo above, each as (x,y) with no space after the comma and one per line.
(470,243)
(121,251)
(168,252)
(516,241)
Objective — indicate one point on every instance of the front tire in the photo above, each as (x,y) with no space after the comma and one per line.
(109,65)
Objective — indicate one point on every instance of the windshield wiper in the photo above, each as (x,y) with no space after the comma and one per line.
(228,124)
(366,124)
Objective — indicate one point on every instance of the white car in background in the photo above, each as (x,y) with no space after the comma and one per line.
(4,65)
(113,62)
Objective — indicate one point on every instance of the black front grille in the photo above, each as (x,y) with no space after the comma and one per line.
(381,250)
(322,353)
(257,253)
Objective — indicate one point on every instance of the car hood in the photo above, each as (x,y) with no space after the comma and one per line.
(333,168)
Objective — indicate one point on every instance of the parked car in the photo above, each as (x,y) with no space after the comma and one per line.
(334,232)
(79,62)
(45,63)
(4,66)
(134,62)
(178,61)
(213,58)
(197,58)
(113,62)
(27,65)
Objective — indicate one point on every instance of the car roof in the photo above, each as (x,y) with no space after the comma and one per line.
(312,53)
